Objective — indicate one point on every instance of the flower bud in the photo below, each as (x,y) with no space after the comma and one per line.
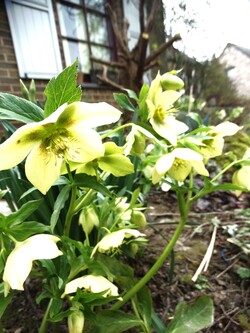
(76,322)
(138,145)
(171,82)
(138,218)
(88,219)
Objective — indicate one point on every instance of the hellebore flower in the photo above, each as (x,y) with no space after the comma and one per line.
(161,117)
(115,239)
(19,262)
(178,163)
(63,137)
(93,284)
(213,145)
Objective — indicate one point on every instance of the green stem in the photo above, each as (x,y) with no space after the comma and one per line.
(44,324)
(116,130)
(70,212)
(162,258)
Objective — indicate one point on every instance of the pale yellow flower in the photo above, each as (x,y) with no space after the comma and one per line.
(213,145)
(93,284)
(178,164)
(19,262)
(65,136)
(115,239)
(161,112)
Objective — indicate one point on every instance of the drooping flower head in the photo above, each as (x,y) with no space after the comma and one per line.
(115,239)
(19,262)
(161,111)
(178,164)
(65,136)
(241,176)
(91,283)
(212,146)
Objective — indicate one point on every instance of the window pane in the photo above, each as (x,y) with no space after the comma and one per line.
(100,52)
(73,50)
(71,22)
(96,4)
(97,29)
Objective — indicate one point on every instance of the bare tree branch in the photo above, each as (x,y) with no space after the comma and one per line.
(117,31)
(161,49)
(108,63)
(104,78)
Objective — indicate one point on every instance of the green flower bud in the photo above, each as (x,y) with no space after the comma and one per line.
(76,322)
(88,219)
(138,218)
(171,82)
(138,145)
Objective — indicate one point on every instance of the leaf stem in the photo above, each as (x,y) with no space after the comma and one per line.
(44,324)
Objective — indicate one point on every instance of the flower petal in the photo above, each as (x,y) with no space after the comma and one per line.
(169,128)
(115,239)
(187,154)
(42,246)
(19,262)
(42,168)
(87,146)
(161,167)
(226,129)
(17,147)
(17,268)
(199,167)
(92,283)
(81,114)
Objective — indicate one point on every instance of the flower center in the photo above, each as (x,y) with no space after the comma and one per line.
(62,144)
(159,114)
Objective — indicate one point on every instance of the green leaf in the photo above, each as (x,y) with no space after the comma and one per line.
(157,323)
(115,322)
(59,205)
(27,229)
(131,94)
(124,102)
(17,108)
(191,318)
(83,180)
(23,213)
(145,307)
(118,165)
(62,89)
(4,301)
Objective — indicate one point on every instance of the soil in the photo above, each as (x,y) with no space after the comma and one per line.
(172,284)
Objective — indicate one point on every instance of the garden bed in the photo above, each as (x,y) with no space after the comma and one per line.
(173,284)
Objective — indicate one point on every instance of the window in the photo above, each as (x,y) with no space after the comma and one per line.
(34,37)
(85,32)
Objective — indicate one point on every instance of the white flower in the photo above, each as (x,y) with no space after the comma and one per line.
(19,262)
(91,283)
(115,239)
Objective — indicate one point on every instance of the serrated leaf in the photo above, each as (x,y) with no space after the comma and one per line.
(191,318)
(124,102)
(17,108)
(62,89)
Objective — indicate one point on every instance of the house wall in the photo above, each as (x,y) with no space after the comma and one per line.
(237,64)
(9,76)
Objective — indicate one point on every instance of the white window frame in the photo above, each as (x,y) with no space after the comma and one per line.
(50,47)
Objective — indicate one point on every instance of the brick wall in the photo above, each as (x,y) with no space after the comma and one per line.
(9,76)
